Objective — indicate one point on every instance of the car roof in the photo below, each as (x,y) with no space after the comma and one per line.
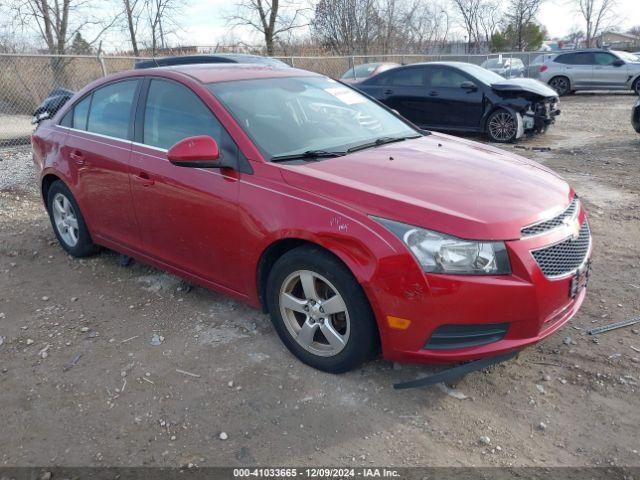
(224,72)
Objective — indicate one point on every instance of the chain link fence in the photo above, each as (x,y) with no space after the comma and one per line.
(25,80)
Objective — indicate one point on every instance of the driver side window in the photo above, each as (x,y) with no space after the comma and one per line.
(173,113)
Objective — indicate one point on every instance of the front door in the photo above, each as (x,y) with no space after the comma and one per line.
(606,74)
(188,217)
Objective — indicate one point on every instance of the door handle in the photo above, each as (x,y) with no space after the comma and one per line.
(143,179)
(77,156)
(388,92)
(433,93)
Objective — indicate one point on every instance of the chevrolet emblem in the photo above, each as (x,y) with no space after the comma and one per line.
(572,224)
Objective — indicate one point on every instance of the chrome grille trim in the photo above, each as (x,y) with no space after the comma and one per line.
(565,257)
(546,226)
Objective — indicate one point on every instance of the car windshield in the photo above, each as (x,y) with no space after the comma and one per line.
(294,115)
(493,63)
(482,74)
(361,71)
(628,57)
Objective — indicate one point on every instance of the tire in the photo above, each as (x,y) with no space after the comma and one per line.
(636,86)
(336,340)
(67,221)
(560,84)
(502,126)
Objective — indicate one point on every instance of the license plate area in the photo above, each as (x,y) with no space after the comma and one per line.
(579,280)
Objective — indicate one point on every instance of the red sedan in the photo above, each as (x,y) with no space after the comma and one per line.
(294,193)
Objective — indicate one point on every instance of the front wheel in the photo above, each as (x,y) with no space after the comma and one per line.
(502,126)
(636,86)
(320,312)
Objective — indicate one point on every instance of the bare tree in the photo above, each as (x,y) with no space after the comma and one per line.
(57,22)
(270,18)
(478,18)
(162,21)
(346,26)
(132,13)
(519,14)
(596,15)
(427,25)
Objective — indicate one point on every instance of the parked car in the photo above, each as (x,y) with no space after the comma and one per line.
(635,116)
(505,67)
(215,58)
(366,70)
(537,62)
(296,194)
(454,96)
(50,105)
(591,70)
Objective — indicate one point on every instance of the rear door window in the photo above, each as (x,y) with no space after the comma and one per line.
(406,77)
(81,113)
(580,58)
(110,112)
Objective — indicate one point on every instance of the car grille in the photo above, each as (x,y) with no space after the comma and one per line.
(564,257)
(555,222)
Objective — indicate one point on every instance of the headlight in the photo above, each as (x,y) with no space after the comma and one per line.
(440,253)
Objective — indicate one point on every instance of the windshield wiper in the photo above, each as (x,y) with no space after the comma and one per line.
(309,154)
(380,141)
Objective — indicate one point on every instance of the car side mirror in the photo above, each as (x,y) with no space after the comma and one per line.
(199,152)
(468,85)
(618,63)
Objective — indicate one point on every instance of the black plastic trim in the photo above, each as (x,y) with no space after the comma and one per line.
(449,337)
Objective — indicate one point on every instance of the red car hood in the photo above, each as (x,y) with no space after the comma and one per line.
(440,182)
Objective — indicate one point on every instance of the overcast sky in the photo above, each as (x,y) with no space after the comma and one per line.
(204,20)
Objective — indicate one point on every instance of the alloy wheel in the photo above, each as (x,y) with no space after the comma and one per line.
(314,313)
(502,126)
(65,220)
(560,85)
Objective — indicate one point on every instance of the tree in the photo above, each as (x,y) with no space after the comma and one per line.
(161,18)
(270,18)
(347,26)
(57,22)
(528,37)
(472,14)
(596,15)
(80,46)
(521,14)
(132,16)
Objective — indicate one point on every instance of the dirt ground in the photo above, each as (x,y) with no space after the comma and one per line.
(81,383)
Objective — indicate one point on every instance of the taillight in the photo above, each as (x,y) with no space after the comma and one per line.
(542,68)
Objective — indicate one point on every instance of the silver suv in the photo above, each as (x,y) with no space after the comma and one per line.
(590,70)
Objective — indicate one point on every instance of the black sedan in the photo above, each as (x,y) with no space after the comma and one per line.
(455,96)
(213,58)
(635,116)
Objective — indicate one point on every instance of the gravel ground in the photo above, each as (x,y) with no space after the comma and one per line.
(82,383)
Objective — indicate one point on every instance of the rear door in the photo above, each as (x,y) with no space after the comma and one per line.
(98,147)
(450,104)
(188,217)
(578,67)
(607,75)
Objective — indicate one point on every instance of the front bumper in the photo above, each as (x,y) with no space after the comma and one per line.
(532,305)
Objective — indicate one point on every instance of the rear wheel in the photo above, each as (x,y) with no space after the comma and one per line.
(502,126)
(68,222)
(561,85)
(320,312)
(636,86)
